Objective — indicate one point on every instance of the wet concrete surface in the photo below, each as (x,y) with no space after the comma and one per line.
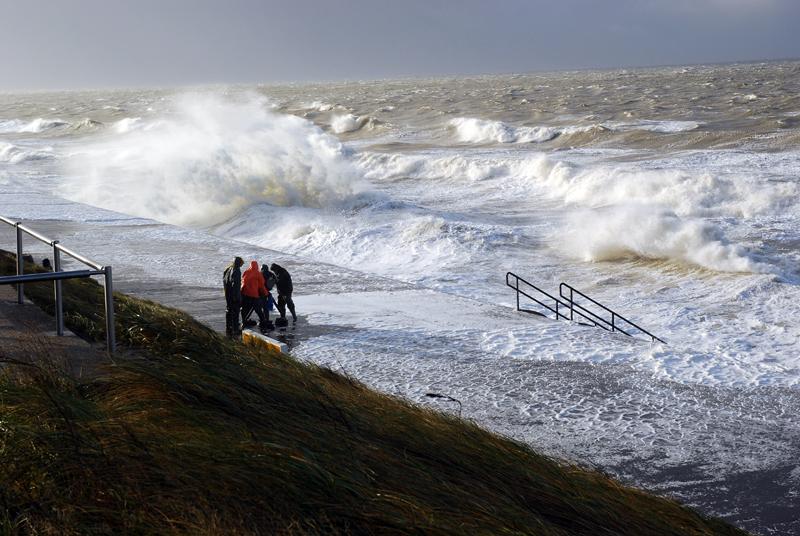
(27,333)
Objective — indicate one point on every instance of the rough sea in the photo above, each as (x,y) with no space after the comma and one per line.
(668,194)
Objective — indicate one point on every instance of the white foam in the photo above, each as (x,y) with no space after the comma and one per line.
(41,125)
(317,106)
(209,161)
(88,124)
(643,231)
(679,209)
(686,192)
(14,154)
(664,127)
(10,126)
(127,124)
(341,124)
(396,242)
(481,131)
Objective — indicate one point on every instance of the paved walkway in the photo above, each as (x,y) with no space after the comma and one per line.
(27,333)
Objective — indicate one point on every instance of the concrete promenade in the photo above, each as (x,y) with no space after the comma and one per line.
(27,333)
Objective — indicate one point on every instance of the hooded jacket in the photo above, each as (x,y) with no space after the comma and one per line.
(283,279)
(253,282)
(269,277)
(232,283)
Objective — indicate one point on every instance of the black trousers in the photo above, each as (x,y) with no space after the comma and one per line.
(283,301)
(253,304)
(232,317)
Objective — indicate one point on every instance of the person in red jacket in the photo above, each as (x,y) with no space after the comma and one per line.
(253,288)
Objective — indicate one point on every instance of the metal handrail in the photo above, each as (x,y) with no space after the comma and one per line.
(58,275)
(48,276)
(574,307)
(614,315)
(557,303)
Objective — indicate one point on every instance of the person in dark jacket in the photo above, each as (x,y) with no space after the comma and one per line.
(283,282)
(232,283)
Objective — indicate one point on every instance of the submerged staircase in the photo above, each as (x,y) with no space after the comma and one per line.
(589,312)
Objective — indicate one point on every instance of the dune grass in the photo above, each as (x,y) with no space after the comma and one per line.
(190,433)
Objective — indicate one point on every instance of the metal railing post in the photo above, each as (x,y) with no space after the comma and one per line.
(20,264)
(571,301)
(517,279)
(111,342)
(57,288)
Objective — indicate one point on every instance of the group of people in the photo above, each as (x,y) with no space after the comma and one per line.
(250,291)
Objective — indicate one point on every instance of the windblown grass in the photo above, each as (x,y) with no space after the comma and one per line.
(201,435)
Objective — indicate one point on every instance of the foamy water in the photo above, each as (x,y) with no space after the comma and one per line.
(683,217)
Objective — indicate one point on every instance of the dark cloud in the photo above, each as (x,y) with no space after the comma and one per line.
(94,43)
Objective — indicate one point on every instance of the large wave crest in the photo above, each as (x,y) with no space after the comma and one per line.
(209,160)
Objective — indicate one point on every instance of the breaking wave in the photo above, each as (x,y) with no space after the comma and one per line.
(14,154)
(684,192)
(391,239)
(127,124)
(36,126)
(647,232)
(318,106)
(654,214)
(482,131)
(663,127)
(209,161)
(40,125)
(88,124)
(341,124)
(473,130)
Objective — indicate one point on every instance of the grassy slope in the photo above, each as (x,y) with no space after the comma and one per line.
(202,435)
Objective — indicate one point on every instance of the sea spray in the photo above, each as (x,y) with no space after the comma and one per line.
(211,159)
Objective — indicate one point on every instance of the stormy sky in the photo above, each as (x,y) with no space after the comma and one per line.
(118,43)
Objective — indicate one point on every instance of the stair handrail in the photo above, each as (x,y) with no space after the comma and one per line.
(573,305)
(58,275)
(556,301)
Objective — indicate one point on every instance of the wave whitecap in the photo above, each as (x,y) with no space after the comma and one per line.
(13,154)
(473,130)
(684,192)
(209,161)
(341,124)
(388,238)
(646,232)
(653,214)
(483,131)
(15,126)
(663,127)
